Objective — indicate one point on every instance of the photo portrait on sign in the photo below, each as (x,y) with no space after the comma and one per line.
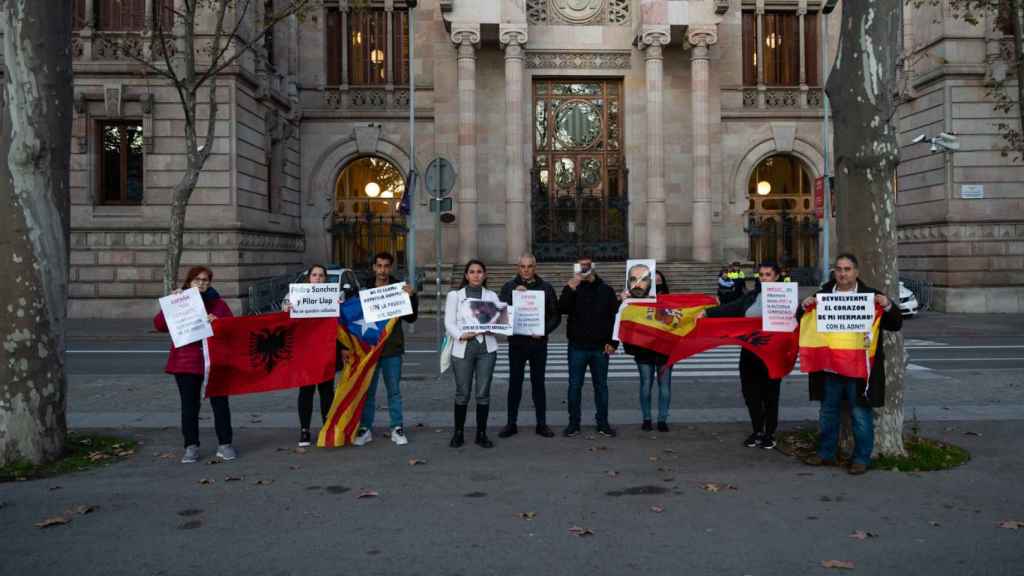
(640,279)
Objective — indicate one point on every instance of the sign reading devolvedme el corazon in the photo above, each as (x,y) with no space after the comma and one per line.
(845,312)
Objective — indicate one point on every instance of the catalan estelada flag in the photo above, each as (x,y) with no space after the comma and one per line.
(846,353)
(670,327)
(248,354)
(364,341)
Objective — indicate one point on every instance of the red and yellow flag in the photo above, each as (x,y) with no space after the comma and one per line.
(670,327)
(849,354)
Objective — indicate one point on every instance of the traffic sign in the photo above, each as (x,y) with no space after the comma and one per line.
(440,177)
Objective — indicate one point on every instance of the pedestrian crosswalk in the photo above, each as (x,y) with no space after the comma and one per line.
(722,362)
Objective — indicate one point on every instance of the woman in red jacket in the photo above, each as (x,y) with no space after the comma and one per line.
(187,366)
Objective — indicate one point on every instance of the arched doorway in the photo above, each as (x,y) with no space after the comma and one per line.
(366,220)
(781,222)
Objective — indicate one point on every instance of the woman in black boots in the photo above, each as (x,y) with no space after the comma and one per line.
(472,354)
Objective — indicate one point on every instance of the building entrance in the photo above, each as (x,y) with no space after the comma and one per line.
(781,222)
(366,219)
(579,197)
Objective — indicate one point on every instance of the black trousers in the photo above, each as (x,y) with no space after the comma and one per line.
(306,402)
(190,386)
(760,393)
(534,351)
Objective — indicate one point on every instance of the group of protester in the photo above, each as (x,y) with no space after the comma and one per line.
(590,306)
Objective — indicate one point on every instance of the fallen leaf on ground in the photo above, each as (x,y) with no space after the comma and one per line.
(1012,524)
(527,515)
(612,473)
(657,509)
(597,448)
(838,564)
(714,487)
(368,494)
(97,456)
(581,531)
(934,523)
(52,488)
(294,467)
(301,450)
(972,433)
(416,462)
(166,456)
(669,451)
(652,458)
(232,478)
(83,509)
(54,521)
(123,453)
(206,481)
(863,535)
(263,482)
(213,461)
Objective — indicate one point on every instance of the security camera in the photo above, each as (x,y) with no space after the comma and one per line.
(935,147)
(947,136)
(919,139)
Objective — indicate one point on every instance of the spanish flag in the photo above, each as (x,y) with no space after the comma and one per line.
(364,340)
(670,327)
(849,354)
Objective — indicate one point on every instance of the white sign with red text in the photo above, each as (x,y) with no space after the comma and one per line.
(186,317)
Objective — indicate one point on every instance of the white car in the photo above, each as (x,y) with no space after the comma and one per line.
(908,302)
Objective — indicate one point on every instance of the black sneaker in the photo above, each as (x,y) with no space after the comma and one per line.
(304,438)
(662,426)
(606,430)
(571,431)
(752,440)
(543,430)
(646,426)
(508,430)
(767,442)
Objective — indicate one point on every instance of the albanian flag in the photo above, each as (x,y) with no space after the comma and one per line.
(849,354)
(364,340)
(249,354)
(670,327)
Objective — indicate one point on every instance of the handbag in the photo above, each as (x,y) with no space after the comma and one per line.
(446,352)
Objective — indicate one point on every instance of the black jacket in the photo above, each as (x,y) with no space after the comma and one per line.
(752,368)
(891,321)
(395,344)
(644,355)
(552,318)
(591,310)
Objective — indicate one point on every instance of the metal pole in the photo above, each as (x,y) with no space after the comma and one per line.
(410,239)
(439,246)
(826,149)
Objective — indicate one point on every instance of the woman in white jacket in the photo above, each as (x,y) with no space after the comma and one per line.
(472,354)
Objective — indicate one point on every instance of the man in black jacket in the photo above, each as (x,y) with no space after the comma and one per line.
(590,305)
(390,363)
(529,348)
(864,395)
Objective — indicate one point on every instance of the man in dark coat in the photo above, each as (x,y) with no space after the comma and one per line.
(864,395)
(532,349)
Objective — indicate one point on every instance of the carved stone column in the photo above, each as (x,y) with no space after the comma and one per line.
(801,12)
(652,39)
(761,88)
(466,40)
(701,38)
(516,241)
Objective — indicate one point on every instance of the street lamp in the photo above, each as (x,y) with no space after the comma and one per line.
(764,188)
(372,189)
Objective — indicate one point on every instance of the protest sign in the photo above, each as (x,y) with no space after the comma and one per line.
(486,316)
(186,317)
(385,302)
(845,312)
(640,279)
(529,317)
(778,306)
(314,300)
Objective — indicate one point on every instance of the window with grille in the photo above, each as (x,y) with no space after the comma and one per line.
(120,160)
(781,48)
(358,43)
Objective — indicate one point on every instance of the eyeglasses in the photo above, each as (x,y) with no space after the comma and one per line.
(201,280)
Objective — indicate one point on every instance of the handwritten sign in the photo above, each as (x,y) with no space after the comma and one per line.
(186,317)
(486,316)
(529,307)
(385,302)
(778,306)
(314,300)
(845,312)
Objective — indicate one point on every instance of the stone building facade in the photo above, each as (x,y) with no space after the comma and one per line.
(670,129)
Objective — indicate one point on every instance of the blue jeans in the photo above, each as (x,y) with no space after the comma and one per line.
(836,388)
(391,366)
(579,360)
(648,373)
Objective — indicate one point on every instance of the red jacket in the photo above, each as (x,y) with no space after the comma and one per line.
(189,359)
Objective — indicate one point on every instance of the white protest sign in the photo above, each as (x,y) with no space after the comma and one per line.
(486,316)
(529,307)
(385,302)
(314,300)
(778,306)
(845,312)
(186,317)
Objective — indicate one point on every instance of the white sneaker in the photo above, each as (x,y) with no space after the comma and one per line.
(226,452)
(191,454)
(398,436)
(363,437)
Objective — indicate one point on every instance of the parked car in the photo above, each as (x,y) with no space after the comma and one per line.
(908,302)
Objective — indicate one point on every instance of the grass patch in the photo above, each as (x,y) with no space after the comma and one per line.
(81,452)
(923,454)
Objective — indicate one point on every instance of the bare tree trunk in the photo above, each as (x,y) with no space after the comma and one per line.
(35,139)
(1017,25)
(862,90)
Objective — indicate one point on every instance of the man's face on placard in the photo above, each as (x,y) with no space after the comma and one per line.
(846,274)
(639,281)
